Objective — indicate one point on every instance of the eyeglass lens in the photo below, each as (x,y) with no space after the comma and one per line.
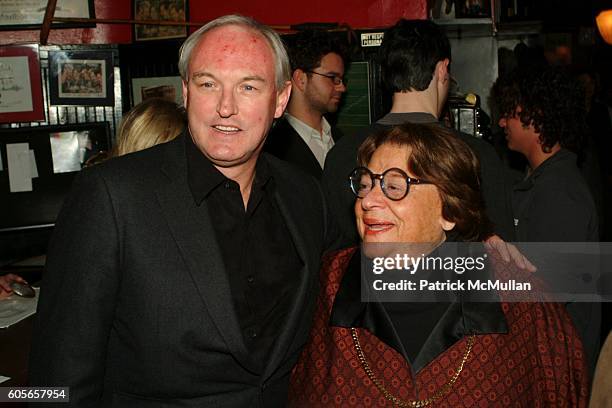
(334,78)
(394,184)
(337,80)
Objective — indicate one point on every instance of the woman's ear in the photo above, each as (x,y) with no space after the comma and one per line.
(446,225)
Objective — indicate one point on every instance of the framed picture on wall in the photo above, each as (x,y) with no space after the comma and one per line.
(29,14)
(81,78)
(159,10)
(21,97)
(473,9)
(170,88)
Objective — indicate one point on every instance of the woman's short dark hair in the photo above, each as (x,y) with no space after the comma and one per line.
(439,156)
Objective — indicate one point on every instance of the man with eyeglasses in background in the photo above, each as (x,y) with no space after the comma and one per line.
(303,136)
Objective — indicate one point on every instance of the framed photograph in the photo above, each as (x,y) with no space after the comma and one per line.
(21,97)
(168,10)
(29,14)
(170,88)
(473,9)
(81,78)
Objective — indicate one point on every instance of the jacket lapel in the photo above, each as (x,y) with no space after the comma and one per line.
(297,325)
(349,311)
(192,230)
(301,153)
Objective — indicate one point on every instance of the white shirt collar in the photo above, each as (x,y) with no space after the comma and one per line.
(319,143)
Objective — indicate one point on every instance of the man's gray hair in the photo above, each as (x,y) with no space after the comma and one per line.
(282,67)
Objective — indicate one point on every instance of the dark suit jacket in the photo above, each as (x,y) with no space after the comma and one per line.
(285,143)
(135,307)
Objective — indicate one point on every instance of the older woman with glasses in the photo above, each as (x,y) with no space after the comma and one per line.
(419,184)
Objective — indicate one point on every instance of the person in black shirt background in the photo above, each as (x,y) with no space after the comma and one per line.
(543,115)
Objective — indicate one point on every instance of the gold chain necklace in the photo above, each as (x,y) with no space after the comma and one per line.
(416,403)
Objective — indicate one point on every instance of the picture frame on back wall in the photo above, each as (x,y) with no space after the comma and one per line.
(29,14)
(164,10)
(169,87)
(82,78)
(21,98)
(473,9)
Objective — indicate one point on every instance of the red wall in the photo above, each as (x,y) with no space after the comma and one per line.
(102,34)
(356,13)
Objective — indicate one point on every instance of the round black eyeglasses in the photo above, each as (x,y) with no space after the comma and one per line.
(394,182)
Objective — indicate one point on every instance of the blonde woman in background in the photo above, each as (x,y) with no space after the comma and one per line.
(151,122)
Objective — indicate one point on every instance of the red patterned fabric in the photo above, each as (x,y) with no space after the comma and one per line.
(538,363)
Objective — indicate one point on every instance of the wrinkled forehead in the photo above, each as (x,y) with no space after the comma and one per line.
(234,41)
(390,155)
(235,33)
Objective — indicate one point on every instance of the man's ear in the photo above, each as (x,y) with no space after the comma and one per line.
(442,70)
(282,98)
(299,79)
(185,92)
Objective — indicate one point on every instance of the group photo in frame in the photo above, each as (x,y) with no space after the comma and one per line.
(164,10)
(21,98)
(29,14)
(81,78)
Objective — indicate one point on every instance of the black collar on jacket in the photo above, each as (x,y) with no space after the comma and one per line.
(399,118)
(460,319)
(284,142)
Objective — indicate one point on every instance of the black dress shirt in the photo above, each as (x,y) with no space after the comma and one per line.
(256,246)
(414,322)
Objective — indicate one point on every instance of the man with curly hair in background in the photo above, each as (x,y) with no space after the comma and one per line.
(543,116)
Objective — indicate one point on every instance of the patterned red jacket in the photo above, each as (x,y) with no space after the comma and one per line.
(523,354)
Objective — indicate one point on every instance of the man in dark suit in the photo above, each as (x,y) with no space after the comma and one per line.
(415,57)
(303,136)
(184,275)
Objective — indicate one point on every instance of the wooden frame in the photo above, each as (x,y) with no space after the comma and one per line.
(81,78)
(21,97)
(29,14)
(167,87)
(163,10)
